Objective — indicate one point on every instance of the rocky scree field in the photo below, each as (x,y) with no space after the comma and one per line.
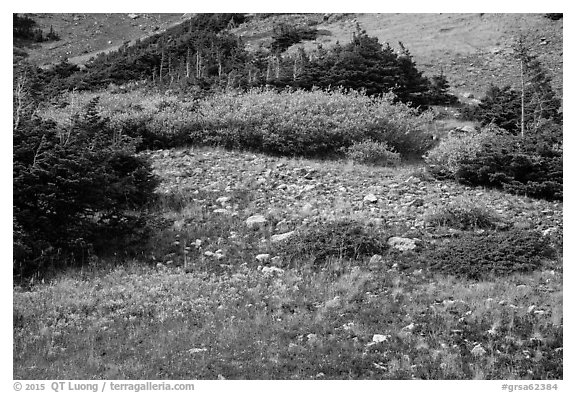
(234,287)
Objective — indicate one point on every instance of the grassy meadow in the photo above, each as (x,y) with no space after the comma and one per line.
(211,297)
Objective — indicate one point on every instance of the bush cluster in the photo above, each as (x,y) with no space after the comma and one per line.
(463,214)
(77,189)
(286,35)
(530,165)
(477,256)
(333,239)
(372,153)
(446,158)
(316,123)
(293,123)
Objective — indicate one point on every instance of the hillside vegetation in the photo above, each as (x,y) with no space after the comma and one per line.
(222,200)
(472,50)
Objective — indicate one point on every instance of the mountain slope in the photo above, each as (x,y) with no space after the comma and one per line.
(472,50)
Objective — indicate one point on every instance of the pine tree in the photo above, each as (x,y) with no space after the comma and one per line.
(412,85)
(538,100)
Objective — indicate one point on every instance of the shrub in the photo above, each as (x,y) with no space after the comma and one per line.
(445,159)
(463,214)
(300,123)
(477,256)
(529,166)
(286,35)
(372,153)
(334,239)
(518,165)
(313,123)
(75,189)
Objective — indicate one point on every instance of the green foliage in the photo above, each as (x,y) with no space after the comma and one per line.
(445,159)
(503,106)
(285,35)
(439,91)
(554,16)
(76,190)
(463,213)
(530,166)
(24,28)
(521,166)
(500,106)
(372,153)
(313,123)
(365,64)
(334,239)
(478,256)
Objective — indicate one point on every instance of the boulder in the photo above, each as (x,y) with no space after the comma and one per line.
(282,236)
(256,221)
(402,243)
(370,198)
(263,257)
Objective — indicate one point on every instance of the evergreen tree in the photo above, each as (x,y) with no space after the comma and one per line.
(439,91)
(538,100)
(412,86)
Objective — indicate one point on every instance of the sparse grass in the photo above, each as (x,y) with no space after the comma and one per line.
(297,325)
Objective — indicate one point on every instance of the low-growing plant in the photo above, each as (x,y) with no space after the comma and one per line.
(342,239)
(445,159)
(372,153)
(477,256)
(518,165)
(463,213)
(293,123)
(529,165)
(316,123)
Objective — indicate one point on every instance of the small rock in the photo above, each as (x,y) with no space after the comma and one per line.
(222,200)
(312,337)
(271,270)
(375,261)
(402,243)
(263,257)
(307,209)
(370,198)
(281,237)
(282,226)
(222,211)
(256,221)
(133,16)
(197,350)
(334,303)
(478,350)
(549,231)
(378,338)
